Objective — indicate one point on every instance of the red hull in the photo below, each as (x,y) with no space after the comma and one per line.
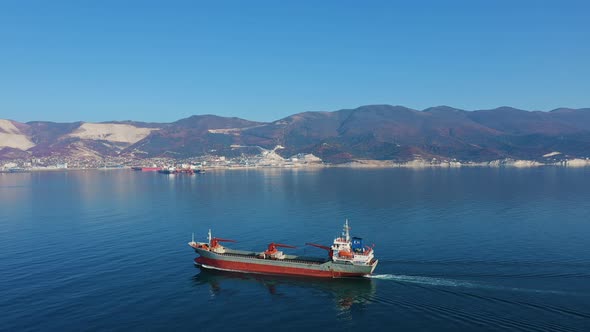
(270,269)
(150,169)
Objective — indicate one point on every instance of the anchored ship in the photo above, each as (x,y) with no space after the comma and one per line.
(347,257)
(173,170)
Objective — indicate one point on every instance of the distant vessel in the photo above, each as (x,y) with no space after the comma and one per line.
(16,170)
(172,170)
(146,169)
(347,257)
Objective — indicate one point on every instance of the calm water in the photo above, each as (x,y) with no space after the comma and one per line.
(470,249)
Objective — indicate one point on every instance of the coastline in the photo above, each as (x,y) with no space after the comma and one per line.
(508,163)
(365,164)
(420,163)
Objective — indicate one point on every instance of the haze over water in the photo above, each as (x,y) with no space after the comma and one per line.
(485,249)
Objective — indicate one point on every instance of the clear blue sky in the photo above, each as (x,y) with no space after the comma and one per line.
(263,60)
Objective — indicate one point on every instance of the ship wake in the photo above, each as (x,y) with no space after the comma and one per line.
(445,282)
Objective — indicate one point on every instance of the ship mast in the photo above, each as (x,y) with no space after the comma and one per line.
(209,236)
(345,232)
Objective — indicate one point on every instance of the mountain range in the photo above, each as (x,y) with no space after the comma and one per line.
(379,132)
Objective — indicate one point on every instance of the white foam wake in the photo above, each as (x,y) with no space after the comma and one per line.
(424,280)
(432,281)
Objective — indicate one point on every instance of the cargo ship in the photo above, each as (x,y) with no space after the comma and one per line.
(347,257)
(346,292)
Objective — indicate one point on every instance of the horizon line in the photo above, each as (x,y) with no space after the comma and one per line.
(338,110)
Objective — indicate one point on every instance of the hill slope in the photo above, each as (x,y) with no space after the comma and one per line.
(381,132)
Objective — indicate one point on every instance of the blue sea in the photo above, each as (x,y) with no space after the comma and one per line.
(471,249)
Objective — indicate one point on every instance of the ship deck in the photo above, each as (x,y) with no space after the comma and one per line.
(288,258)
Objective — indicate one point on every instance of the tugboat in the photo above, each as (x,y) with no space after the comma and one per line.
(347,257)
